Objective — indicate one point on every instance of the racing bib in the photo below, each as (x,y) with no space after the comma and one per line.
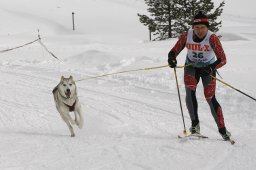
(199,52)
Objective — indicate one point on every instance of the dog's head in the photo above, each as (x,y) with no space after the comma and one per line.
(67,87)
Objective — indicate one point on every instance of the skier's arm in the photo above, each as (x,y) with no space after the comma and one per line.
(179,46)
(219,52)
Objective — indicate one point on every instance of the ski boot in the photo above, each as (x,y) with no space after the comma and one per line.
(225,134)
(195,128)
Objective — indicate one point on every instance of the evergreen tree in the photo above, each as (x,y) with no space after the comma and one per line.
(163,13)
(169,18)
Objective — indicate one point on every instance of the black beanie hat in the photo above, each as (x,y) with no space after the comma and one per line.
(200,18)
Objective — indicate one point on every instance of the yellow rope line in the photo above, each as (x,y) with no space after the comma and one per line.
(128,71)
(223,82)
(109,74)
(151,68)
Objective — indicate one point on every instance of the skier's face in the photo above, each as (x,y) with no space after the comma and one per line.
(200,30)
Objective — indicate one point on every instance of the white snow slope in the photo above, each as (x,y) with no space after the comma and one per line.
(131,120)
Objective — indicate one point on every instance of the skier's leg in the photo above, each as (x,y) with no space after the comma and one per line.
(209,92)
(191,79)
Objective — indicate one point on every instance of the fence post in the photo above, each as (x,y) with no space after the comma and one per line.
(73,20)
(149,35)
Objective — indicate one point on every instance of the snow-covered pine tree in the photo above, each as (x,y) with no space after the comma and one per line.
(169,18)
(163,14)
(189,8)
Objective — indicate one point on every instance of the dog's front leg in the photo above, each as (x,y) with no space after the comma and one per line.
(79,117)
(70,119)
(66,120)
(70,129)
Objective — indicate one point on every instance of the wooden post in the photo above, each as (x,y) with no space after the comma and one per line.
(149,34)
(73,20)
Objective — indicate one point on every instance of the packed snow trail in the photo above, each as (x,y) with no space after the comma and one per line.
(126,126)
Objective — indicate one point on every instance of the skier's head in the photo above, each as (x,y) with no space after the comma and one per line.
(200,18)
(200,25)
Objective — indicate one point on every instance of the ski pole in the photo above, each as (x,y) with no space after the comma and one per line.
(184,131)
(233,88)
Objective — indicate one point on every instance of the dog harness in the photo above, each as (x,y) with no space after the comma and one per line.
(71,108)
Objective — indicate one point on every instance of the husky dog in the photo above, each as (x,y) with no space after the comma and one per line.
(66,100)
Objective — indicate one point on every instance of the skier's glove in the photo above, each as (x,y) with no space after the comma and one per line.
(172,59)
(205,71)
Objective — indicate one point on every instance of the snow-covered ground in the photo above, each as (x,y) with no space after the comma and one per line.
(131,120)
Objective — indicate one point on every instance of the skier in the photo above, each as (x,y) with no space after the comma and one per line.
(201,46)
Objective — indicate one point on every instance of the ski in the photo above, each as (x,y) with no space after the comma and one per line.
(199,136)
(195,135)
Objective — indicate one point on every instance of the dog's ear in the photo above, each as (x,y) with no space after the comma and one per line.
(71,77)
(62,78)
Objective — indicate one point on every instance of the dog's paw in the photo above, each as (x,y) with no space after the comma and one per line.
(72,135)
